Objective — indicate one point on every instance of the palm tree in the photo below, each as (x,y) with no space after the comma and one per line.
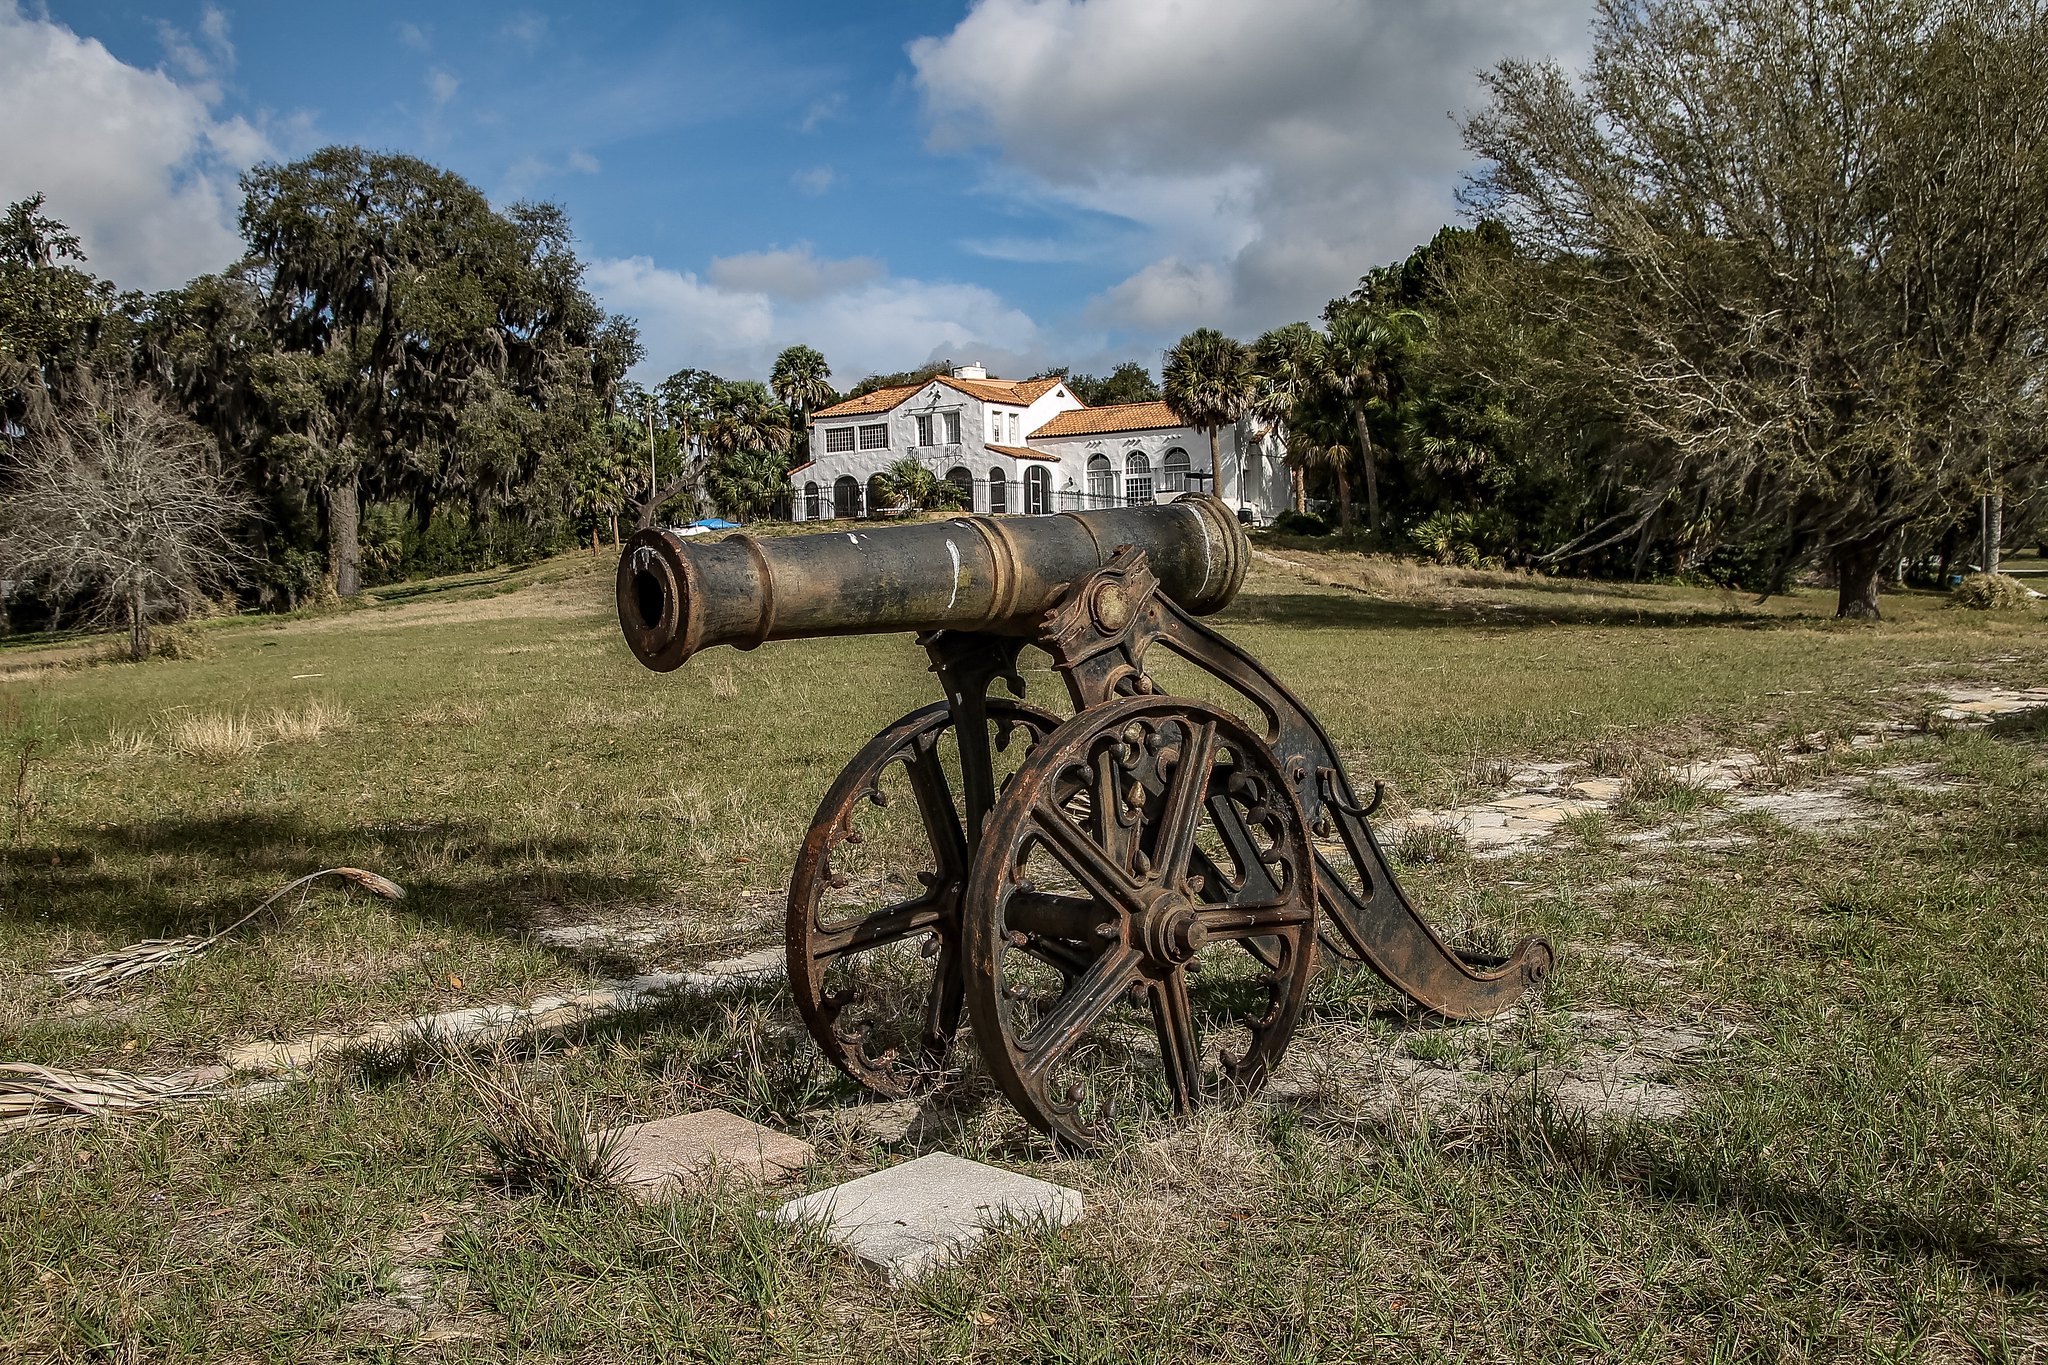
(748,484)
(802,381)
(1290,365)
(744,417)
(1363,351)
(1208,382)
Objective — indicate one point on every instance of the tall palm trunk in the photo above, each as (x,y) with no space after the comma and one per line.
(1216,470)
(1343,500)
(1372,477)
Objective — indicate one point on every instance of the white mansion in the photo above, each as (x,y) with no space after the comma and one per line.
(1026,446)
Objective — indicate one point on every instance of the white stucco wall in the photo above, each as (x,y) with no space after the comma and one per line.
(1264,485)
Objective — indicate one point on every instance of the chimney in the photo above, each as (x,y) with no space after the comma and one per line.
(974,371)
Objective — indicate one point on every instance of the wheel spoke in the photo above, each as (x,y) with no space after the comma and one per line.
(1255,920)
(882,927)
(1092,866)
(1181,812)
(1180,1043)
(1083,1002)
(942,1001)
(941,818)
(1254,878)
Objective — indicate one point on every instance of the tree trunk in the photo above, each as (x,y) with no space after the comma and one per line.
(1299,477)
(1217,469)
(615,530)
(1372,478)
(593,538)
(344,522)
(138,622)
(1343,500)
(1994,529)
(1857,567)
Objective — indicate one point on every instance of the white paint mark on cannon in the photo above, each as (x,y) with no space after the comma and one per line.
(953,551)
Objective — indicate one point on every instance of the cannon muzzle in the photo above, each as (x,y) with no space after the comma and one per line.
(992,574)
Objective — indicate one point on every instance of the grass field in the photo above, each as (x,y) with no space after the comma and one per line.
(1859,1173)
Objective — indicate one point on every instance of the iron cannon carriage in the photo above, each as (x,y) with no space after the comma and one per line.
(1128,903)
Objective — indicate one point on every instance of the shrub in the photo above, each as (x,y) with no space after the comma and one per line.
(1989,592)
(1300,524)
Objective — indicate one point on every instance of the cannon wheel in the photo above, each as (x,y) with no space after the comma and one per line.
(824,941)
(1124,872)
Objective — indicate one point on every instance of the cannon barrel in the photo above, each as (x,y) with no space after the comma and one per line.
(993,574)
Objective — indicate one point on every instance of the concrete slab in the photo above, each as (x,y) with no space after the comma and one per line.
(908,1219)
(685,1151)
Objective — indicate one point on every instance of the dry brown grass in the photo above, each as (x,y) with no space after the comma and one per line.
(219,737)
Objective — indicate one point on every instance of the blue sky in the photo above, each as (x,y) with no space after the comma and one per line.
(1020,182)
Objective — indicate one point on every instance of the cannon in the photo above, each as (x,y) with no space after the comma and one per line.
(1128,902)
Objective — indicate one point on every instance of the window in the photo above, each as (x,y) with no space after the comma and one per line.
(998,492)
(1101,481)
(1037,491)
(1174,478)
(962,478)
(1014,437)
(952,428)
(846,496)
(924,429)
(995,428)
(875,437)
(838,439)
(811,501)
(1137,479)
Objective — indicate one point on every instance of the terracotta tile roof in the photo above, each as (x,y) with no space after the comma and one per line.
(1022,453)
(1022,392)
(881,400)
(1118,417)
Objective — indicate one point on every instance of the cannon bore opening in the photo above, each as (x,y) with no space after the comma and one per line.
(650,598)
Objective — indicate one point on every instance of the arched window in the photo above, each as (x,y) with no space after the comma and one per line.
(846,496)
(998,491)
(1037,491)
(1174,477)
(962,478)
(1137,479)
(1101,481)
(811,501)
(879,500)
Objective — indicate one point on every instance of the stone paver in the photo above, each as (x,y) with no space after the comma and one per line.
(687,1151)
(910,1218)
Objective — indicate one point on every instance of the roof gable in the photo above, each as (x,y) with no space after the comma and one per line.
(881,400)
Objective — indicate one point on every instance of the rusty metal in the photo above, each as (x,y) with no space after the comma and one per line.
(988,574)
(890,1028)
(1149,860)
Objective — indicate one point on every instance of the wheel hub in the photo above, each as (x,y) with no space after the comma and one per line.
(1170,929)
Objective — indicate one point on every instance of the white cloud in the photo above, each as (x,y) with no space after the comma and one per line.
(138,163)
(415,37)
(821,111)
(1271,152)
(815,180)
(865,326)
(526,28)
(794,274)
(583,163)
(442,85)
(1165,295)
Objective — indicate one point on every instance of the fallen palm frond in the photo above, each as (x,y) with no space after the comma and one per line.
(104,971)
(37,1097)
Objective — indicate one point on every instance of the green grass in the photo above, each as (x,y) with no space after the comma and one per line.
(1862,1176)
